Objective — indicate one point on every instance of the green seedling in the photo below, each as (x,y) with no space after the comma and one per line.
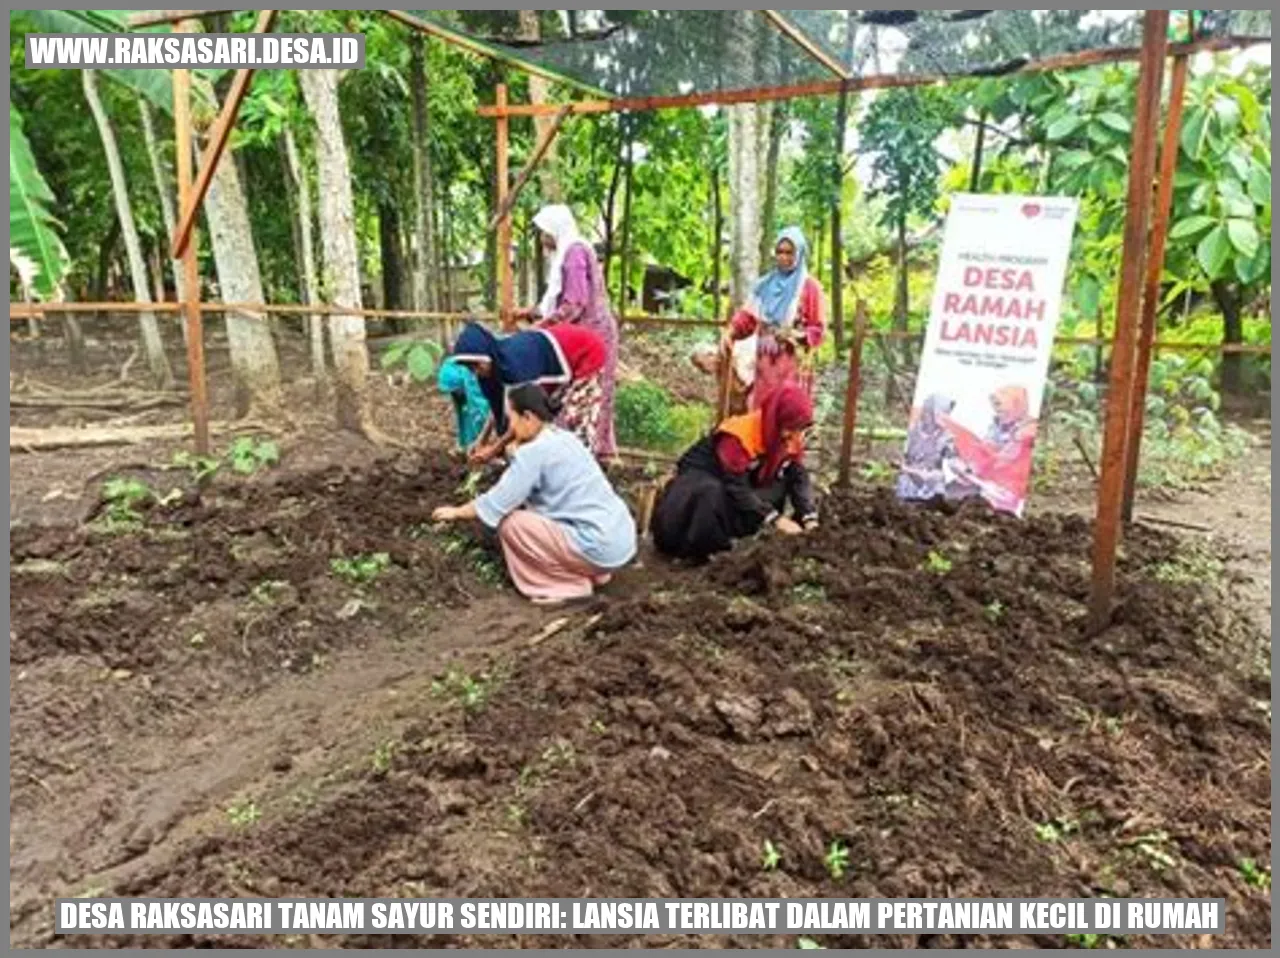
(805,943)
(382,756)
(470,692)
(598,727)
(517,815)
(123,497)
(877,471)
(837,859)
(1254,875)
(243,812)
(771,857)
(468,487)
(809,594)
(1193,565)
(1056,830)
(1087,940)
(247,455)
(994,610)
(265,592)
(196,641)
(360,569)
(1152,846)
(937,563)
(200,467)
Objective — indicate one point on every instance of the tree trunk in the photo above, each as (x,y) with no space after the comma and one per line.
(901,304)
(975,175)
(165,191)
(301,184)
(105,252)
(255,365)
(1228,298)
(539,90)
(157,361)
(624,278)
(744,202)
(610,199)
(717,236)
(837,204)
(425,282)
(341,259)
(389,250)
(769,216)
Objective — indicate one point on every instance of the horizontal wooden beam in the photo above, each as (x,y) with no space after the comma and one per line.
(218,138)
(25,311)
(1066,61)
(157,18)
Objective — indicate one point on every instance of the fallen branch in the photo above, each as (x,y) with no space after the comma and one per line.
(82,401)
(40,440)
(1177,523)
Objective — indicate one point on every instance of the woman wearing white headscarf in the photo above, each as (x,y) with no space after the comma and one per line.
(576,294)
(785,314)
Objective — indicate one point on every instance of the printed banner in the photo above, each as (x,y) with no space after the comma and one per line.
(986,351)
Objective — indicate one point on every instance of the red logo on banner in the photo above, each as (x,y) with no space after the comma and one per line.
(1030,209)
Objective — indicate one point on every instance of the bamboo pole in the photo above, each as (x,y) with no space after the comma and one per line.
(852,388)
(1106,538)
(1151,288)
(190,266)
(502,247)
(219,135)
(544,144)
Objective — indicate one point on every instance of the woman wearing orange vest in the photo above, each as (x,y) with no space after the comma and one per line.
(739,479)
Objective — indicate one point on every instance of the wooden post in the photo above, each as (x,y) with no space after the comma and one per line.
(1106,533)
(502,243)
(1151,288)
(194,323)
(852,388)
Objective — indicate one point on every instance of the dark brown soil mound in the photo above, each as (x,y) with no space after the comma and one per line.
(901,705)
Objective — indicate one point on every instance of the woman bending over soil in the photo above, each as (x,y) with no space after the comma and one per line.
(739,479)
(562,527)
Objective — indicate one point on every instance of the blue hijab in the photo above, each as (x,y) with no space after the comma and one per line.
(528,356)
(470,407)
(776,293)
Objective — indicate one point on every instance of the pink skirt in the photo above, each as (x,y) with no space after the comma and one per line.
(542,562)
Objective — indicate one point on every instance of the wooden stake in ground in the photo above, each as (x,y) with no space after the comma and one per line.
(852,388)
(1115,440)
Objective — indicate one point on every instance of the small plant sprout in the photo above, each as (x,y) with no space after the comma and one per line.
(265,592)
(771,857)
(1255,875)
(837,859)
(382,756)
(123,497)
(243,812)
(1086,940)
(468,487)
(470,692)
(360,569)
(248,455)
(200,467)
(937,563)
(1056,830)
(876,471)
(993,610)
(805,943)
(598,727)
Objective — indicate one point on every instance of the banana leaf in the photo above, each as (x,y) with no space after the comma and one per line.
(35,249)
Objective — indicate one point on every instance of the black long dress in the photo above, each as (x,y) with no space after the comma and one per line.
(706,506)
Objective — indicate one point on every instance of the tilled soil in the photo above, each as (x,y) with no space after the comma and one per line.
(911,685)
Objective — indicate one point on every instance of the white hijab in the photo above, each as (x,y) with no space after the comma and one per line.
(558,221)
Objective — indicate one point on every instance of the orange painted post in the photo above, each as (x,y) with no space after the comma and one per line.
(502,244)
(1106,533)
(190,266)
(1151,288)
(851,392)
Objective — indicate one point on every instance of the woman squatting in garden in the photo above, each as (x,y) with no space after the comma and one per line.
(785,316)
(563,528)
(564,359)
(576,295)
(739,479)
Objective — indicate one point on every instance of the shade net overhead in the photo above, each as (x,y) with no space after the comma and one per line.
(642,53)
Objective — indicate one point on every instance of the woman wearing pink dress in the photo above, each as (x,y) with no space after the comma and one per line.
(786,315)
(576,294)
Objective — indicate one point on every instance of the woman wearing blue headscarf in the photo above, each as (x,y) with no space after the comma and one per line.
(470,407)
(785,314)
